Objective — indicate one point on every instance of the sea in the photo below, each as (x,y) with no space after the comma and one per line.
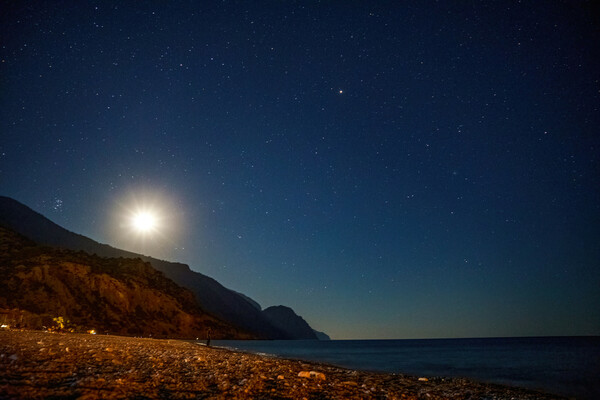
(568,366)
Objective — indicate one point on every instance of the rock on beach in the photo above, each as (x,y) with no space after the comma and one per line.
(36,364)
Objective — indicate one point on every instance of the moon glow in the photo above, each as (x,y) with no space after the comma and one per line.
(147,221)
(144,222)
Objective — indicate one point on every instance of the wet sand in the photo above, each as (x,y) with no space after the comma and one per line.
(37,364)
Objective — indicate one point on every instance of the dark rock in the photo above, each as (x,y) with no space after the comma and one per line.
(289,322)
(321,335)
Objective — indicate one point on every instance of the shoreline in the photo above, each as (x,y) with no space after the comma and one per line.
(36,364)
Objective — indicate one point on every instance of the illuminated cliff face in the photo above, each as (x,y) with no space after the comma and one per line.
(114,295)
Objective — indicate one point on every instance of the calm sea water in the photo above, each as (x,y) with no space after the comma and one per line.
(568,366)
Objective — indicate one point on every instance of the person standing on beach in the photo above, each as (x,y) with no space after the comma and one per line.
(208,332)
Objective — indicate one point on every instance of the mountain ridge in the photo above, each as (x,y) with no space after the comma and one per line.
(109,295)
(230,306)
(287,320)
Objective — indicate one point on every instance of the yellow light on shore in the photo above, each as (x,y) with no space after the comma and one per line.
(92,332)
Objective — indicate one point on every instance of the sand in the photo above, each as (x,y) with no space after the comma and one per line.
(36,364)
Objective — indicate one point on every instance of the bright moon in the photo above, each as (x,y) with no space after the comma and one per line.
(144,222)
(147,222)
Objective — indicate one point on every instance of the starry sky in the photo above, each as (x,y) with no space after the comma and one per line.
(411,169)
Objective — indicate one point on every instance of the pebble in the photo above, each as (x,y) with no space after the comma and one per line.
(124,367)
(311,374)
(304,374)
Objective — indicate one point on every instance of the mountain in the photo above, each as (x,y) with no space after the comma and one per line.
(110,295)
(321,335)
(249,300)
(228,305)
(288,321)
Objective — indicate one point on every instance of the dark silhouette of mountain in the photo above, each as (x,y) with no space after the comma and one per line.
(230,306)
(321,335)
(251,301)
(223,302)
(112,295)
(288,321)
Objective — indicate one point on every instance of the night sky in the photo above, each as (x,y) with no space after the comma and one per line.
(387,169)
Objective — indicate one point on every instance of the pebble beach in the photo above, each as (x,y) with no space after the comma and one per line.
(37,365)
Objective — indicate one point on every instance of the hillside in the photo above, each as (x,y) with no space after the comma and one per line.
(111,295)
(228,305)
(288,321)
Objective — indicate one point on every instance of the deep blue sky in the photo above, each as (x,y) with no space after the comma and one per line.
(387,169)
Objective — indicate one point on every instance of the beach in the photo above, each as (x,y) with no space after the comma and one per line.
(36,364)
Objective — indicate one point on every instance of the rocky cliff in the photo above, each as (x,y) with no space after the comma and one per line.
(116,295)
